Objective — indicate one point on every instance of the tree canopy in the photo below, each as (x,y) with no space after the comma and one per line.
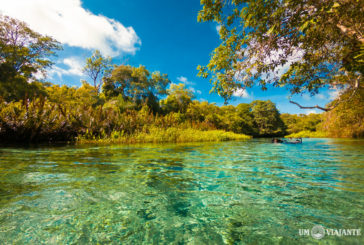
(303,45)
(97,68)
(135,104)
(136,84)
(267,118)
(178,99)
(23,54)
(347,119)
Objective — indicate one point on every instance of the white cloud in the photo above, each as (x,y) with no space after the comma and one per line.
(320,96)
(218,28)
(334,93)
(311,112)
(241,93)
(184,80)
(316,96)
(330,95)
(39,75)
(271,58)
(69,23)
(195,91)
(276,55)
(74,65)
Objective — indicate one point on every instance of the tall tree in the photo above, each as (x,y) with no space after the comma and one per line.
(267,118)
(97,67)
(304,45)
(136,84)
(178,99)
(302,122)
(23,53)
(246,122)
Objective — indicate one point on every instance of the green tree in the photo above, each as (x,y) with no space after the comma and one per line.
(178,99)
(296,123)
(347,119)
(267,118)
(205,112)
(201,111)
(136,84)
(303,45)
(246,121)
(97,67)
(23,53)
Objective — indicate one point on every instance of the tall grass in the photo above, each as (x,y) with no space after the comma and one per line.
(42,120)
(161,135)
(308,134)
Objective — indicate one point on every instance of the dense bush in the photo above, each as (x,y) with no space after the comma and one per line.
(347,119)
(37,120)
(155,134)
(68,114)
(307,134)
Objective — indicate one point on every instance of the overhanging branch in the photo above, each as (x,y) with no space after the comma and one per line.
(311,107)
(351,32)
(338,101)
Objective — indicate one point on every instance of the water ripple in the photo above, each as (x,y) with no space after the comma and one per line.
(202,193)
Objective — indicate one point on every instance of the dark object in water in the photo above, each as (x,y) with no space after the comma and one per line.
(290,141)
(275,140)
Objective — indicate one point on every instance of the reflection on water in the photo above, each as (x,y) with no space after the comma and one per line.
(210,193)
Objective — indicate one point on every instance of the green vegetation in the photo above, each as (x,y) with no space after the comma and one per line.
(303,45)
(302,122)
(127,104)
(304,126)
(161,135)
(346,119)
(23,53)
(307,134)
(98,68)
(66,114)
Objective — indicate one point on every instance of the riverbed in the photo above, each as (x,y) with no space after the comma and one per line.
(203,193)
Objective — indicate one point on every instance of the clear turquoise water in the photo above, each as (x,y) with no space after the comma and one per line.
(251,192)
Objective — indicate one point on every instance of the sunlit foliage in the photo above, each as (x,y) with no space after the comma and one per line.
(23,54)
(302,122)
(98,68)
(347,119)
(136,85)
(178,99)
(135,105)
(302,45)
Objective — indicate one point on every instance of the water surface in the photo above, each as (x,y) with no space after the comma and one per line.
(209,193)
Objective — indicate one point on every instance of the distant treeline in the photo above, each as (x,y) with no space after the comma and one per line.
(61,113)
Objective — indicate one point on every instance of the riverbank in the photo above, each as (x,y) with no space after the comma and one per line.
(308,134)
(164,135)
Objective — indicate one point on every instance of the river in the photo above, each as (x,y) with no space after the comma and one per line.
(203,193)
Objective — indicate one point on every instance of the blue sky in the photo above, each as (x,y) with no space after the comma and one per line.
(163,35)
